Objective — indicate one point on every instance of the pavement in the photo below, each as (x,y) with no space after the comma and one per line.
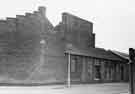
(105,88)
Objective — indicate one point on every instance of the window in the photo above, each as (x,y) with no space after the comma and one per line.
(89,66)
(97,72)
(97,69)
(75,23)
(75,64)
(122,73)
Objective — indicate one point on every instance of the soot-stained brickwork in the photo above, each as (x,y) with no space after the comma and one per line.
(32,50)
(21,58)
(78,31)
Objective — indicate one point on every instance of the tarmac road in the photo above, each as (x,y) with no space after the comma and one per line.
(107,88)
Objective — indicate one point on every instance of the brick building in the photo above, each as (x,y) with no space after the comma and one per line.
(32,50)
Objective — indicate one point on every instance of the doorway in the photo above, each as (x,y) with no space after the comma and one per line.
(97,72)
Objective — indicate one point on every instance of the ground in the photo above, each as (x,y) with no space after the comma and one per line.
(106,88)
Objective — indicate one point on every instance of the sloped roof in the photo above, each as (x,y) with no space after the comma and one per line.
(93,52)
(122,55)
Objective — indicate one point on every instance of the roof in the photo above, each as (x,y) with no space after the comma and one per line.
(121,54)
(93,52)
(66,13)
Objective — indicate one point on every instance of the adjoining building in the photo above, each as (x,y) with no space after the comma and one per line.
(88,63)
(33,51)
(96,65)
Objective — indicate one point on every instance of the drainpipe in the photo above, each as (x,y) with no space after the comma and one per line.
(131,78)
(131,70)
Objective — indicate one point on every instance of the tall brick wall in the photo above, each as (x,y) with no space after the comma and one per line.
(78,31)
(54,67)
(21,58)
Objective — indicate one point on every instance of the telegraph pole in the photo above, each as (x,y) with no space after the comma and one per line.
(69,46)
(131,71)
(69,65)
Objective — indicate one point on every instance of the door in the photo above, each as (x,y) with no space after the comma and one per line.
(76,68)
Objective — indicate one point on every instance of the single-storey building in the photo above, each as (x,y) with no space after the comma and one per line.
(96,65)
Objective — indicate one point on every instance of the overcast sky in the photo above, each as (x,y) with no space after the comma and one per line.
(114,20)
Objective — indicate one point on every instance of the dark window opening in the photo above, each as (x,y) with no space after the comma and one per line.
(122,73)
(75,65)
(97,72)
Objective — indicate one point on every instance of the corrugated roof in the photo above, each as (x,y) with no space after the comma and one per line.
(93,52)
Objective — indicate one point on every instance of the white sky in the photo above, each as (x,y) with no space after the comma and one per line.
(114,20)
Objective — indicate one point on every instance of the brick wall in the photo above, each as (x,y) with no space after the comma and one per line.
(21,51)
(78,31)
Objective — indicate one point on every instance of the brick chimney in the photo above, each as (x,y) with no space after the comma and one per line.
(42,10)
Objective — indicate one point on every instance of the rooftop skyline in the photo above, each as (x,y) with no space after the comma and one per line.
(113,20)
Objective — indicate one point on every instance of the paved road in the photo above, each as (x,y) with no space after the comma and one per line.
(108,88)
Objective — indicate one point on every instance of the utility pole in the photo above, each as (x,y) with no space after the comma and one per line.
(69,46)
(131,70)
(69,65)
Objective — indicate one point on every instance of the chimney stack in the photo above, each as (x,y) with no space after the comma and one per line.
(42,10)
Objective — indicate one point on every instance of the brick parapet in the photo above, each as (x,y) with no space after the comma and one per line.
(41,12)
